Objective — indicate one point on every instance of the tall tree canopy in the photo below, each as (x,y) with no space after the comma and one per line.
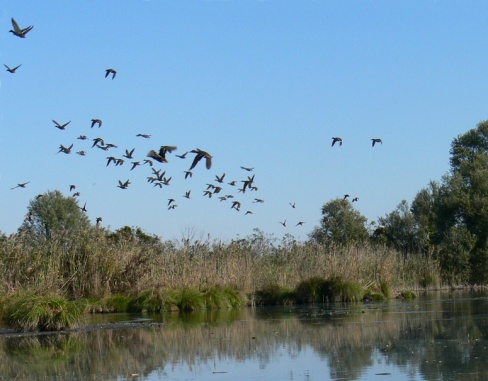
(340,224)
(52,214)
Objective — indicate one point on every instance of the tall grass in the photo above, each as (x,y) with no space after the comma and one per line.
(91,264)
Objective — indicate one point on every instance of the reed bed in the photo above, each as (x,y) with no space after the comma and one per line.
(91,264)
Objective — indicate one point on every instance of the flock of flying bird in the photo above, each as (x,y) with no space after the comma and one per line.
(158,177)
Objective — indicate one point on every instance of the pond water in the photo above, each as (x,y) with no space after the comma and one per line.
(434,337)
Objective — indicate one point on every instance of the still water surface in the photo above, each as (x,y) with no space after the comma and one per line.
(434,337)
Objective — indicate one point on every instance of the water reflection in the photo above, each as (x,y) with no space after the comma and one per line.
(434,337)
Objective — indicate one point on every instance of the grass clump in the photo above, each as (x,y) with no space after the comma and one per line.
(30,312)
(223,297)
(275,295)
(320,290)
(408,295)
(191,299)
(149,301)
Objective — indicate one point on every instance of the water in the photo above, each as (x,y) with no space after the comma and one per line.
(434,337)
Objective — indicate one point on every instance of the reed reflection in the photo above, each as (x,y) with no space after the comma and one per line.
(432,338)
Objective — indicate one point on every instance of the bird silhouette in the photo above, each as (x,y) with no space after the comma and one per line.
(292,205)
(345,196)
(220,179)
(13,69)
(84,208)
(187,194)
(283,223)
(128,154)
(20,32)
(199,155)
(98,142)
(82,137)
(66,150)
(161,155)
(21,185)
(145,136)
(236,205)
(247,168)
(81,153)
(300,223)
(258,200)
(98,220)
(335,140)
(355,199)
(188,174)
(96,121)
(61,126)
(123,185)
(248,212)
(374,141)
(135,164)
(71,187)
(170,200)
(182,156)
(110,71)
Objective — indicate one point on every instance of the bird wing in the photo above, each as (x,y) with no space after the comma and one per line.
(16,26)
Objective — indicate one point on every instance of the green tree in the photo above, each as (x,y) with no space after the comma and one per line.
(468,194)
(340,224)
(51,214)
(400,229)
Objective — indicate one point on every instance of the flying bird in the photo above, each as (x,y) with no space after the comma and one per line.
(12,70)
(220,179)
(247,168)
(236,205)
(345,196)
(145,136)
(161,155)
(82,137)
(355,199)
(300,223)
(123,185)
(188,174)
(20,32)
(84,208)
(21,185)
(135,164)
(61,126)
(96,121)
(81,153)
(71,187)
(292,205)
(66,150)
(128,154)
(199,155)
(335,140)
(182,156)
(110,71)
(187,194)
(283,223)
(374,141)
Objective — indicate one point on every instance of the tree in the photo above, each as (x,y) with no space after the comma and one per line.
(51,214)
(401,229)
(340,224)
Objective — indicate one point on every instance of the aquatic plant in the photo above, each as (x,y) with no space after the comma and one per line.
(30,312)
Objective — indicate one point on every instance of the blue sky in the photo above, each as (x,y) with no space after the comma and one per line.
(263,84)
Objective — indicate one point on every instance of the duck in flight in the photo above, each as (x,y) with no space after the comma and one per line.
(199,155)
(374,141)
(335,140)
(20,32)
(13,69)
(110,71)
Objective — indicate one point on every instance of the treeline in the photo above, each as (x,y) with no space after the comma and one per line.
(447,220)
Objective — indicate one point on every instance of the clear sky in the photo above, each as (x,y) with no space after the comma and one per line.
(263,84)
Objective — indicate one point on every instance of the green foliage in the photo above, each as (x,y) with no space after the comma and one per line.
(341,224)
(31,312)
(400,227)
(274,295)
(408,295)
(51,215)
(335,289)
(191,299)
(223,297)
